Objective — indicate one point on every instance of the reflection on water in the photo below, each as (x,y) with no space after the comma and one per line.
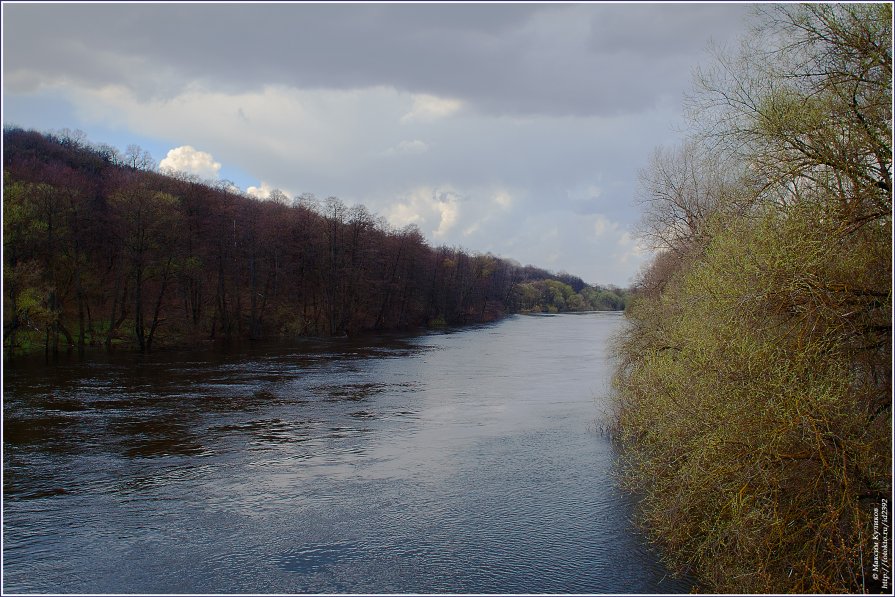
(462,462)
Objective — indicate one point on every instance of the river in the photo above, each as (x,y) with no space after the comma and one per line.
(457,462)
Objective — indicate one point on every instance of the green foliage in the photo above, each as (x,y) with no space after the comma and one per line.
(20,213)
(753,388)
(437,322)
(553,296)
(604,299)
(750,406)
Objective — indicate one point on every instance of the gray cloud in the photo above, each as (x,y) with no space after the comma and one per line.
(655,31)
(502,59)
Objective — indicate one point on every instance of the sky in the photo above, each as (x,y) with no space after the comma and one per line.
(514,129)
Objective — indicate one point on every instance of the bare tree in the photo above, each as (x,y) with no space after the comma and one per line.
(680,189)
(138,158)
(806,102)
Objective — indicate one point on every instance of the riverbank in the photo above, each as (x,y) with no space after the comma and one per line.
(33,350)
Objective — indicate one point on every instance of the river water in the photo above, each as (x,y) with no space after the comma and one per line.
(460,462)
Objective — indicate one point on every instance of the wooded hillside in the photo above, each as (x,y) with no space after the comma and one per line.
(99,249)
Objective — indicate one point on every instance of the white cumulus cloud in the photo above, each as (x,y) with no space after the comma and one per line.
(262,192)
(268,191)
(188,159)
(435,210)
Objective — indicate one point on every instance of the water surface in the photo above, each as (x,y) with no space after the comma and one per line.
(462,462)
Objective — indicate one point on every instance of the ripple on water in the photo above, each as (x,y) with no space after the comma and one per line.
(452,463)
(313,558)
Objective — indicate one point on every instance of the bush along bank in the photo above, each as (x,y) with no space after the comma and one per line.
(753,388)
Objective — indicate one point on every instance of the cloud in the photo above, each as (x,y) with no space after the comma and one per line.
(262,192)
(448,212)
(593,246)
(650,30)
(192,161)
(498,59)
(584,192)
(426,108)
(414,147)
(434,209)
(267,191)
(631,250)
(503,199)
(267,131)
(602,225)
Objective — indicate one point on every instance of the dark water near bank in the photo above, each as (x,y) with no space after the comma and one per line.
(464,462)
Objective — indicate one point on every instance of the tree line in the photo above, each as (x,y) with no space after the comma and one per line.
(754,384)
(102,250)
(559,295)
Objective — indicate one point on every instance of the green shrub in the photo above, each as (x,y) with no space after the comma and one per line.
(751,410)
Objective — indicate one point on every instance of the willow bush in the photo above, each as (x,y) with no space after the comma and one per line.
(753,389)
(750,415)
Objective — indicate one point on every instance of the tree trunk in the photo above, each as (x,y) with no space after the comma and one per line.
(166,275)
(138,309)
